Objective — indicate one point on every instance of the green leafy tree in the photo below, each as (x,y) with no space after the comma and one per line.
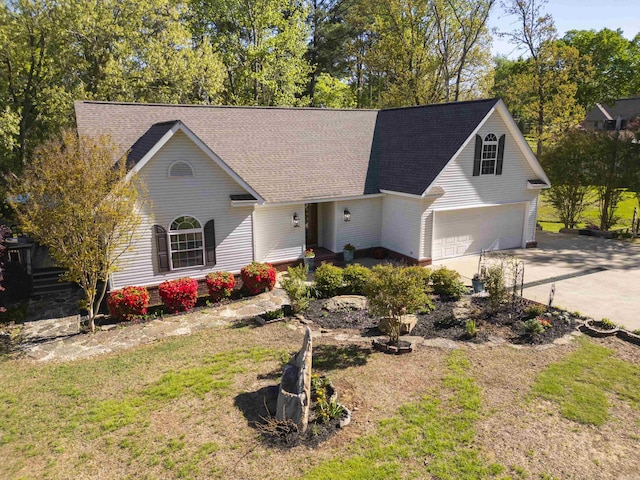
(72,199)
(332,92)
(263,46)
(566,163)
(33,97)
(545,86)
(615,61)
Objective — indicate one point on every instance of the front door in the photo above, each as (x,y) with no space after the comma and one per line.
(311,224)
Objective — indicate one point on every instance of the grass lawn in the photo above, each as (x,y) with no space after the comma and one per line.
(548,218)
(178,409)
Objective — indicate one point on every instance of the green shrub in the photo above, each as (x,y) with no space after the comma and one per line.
(355,277)
(422,274)
(471,328)
(392,293)
(494,285)
(328,280)
(296,288)
(535,310)
(447,283)
(273,314)
(607,324)
(533,326)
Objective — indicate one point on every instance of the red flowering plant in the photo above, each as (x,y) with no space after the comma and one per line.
(258,277)
(220,285)
(179,295)
(128,304)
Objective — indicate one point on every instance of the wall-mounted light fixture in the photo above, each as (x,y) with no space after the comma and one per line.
(347,215)
(295,220)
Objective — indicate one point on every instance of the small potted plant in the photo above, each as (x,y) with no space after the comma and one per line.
(478,283)
(347,251)
(308,259)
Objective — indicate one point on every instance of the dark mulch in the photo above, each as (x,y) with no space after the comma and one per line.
(508,323)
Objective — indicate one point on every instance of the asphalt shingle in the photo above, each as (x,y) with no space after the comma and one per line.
(294,154)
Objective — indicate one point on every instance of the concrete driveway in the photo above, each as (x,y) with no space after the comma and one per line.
(596,277)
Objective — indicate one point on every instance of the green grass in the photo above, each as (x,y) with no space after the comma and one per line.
(550,222)
(583,383)
(433,436)
(48,411)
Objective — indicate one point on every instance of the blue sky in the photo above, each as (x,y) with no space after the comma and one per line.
(574,15)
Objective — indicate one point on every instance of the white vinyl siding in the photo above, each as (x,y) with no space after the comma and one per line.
(363,230)
(482,195)
(467,231)
(401,224)
(462,189)
(206,197)
(276,239)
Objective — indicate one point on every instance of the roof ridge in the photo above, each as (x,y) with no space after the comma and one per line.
(460,102)
(248,107)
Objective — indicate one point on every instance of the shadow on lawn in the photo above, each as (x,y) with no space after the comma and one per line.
(257,406)
(331,357)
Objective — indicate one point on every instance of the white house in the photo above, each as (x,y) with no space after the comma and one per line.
(229,185)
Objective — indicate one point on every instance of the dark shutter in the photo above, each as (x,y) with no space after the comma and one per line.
(161,246)
(210,242)
(500,156)
(477,157)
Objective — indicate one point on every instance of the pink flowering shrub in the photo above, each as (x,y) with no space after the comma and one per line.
(129,303)
(220,285)
(258,277)
(179,295)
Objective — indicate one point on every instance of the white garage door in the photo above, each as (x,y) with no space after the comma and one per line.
(463,232)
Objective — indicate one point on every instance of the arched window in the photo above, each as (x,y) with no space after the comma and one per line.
(489,154)
(180,169)
(186,244)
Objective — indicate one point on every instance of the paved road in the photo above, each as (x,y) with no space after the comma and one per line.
(596,277)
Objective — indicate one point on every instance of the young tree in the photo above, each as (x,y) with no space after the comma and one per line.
(566,163)
(74,200)
(394,292)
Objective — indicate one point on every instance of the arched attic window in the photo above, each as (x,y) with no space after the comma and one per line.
(181,169)
(489,155)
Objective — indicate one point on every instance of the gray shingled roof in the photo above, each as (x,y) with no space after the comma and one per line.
(294,154)
(413,145)
(626,108)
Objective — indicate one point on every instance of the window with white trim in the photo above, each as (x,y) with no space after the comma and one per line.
(186,244)
(489,155)
(180,169)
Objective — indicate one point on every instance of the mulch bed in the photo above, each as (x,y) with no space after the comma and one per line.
(507,323)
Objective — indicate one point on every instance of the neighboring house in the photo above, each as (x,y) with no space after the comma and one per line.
(229,185)
(606,117)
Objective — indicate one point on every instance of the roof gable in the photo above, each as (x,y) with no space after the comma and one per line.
(413,145)
(625,108)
